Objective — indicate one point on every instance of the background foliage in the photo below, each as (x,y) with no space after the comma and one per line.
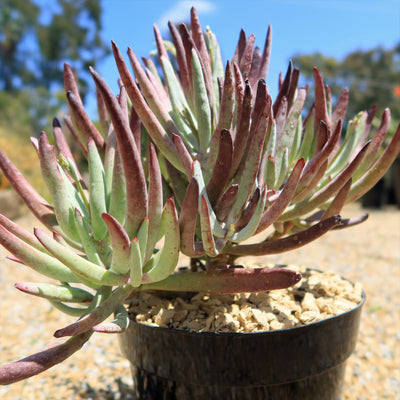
(38,36)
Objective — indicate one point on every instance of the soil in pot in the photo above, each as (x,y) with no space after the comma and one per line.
(284,344)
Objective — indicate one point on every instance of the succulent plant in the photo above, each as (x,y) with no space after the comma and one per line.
(238,162)
(199,156)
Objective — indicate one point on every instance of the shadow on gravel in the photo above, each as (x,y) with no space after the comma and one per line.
(125,392)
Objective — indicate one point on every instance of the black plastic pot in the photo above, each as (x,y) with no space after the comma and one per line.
(306,362)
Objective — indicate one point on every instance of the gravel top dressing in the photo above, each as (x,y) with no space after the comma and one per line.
(319,295)
(367,254)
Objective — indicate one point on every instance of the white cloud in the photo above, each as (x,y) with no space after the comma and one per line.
(180,12)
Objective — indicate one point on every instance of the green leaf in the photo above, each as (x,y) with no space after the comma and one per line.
(77,264)
(57,293)
(135,263)
(164,262)
(41,262)
(202,104)
(86,240)
(97,192)
(198,175)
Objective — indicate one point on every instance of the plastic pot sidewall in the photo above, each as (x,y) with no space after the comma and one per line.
(242,359)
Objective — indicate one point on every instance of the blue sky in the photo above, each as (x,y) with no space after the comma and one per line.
(333,27)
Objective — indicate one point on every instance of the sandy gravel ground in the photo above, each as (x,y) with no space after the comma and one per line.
(368,253)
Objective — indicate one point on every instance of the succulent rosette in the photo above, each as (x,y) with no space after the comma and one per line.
(191,157)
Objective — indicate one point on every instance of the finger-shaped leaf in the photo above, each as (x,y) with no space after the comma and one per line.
(120,244)
(315,163)
(142,237)
(241,44)
(283,199)
(184,154)
(102,113)
(77,264)
(182,63)
(155,206)
(255,64)
(220,173)
(36,259)
(158,107)
(96,192)
(70,82)
(351,142)
(339,113)
(99,314)
(62,198)
(325,193)
(108,163)
(242,130)
(321,111)
(217,67)
(251,227)
(198,175)
(206,229)
(136,191)
(246,59)
(372,176)
(136,127)
(62,144)
(71,86)
(292,91)
(200,43)
(259,105)
(312,186)
(80,140)
(187,221)
(118,201)
(164,262)
(283,90)
(308,141)
(338,202)
(49,356)
(286,138)
(270,171)
(152,125)
(83,122)
(86,239)
(202,104)
(249,210)
(291,242)
(368,124)
(53,292)
(35,202)
(231,280)
(375,145)
(135,263)
(181,110)
(249,174)
(21,233)
(228,100)
(177,182)
(239,89)
(265,58)
(280,120)
(224,204)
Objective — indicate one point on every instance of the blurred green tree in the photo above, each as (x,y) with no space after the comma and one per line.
(36,38)
(372,76)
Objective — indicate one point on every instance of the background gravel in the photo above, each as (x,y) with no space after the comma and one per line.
(368,253)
